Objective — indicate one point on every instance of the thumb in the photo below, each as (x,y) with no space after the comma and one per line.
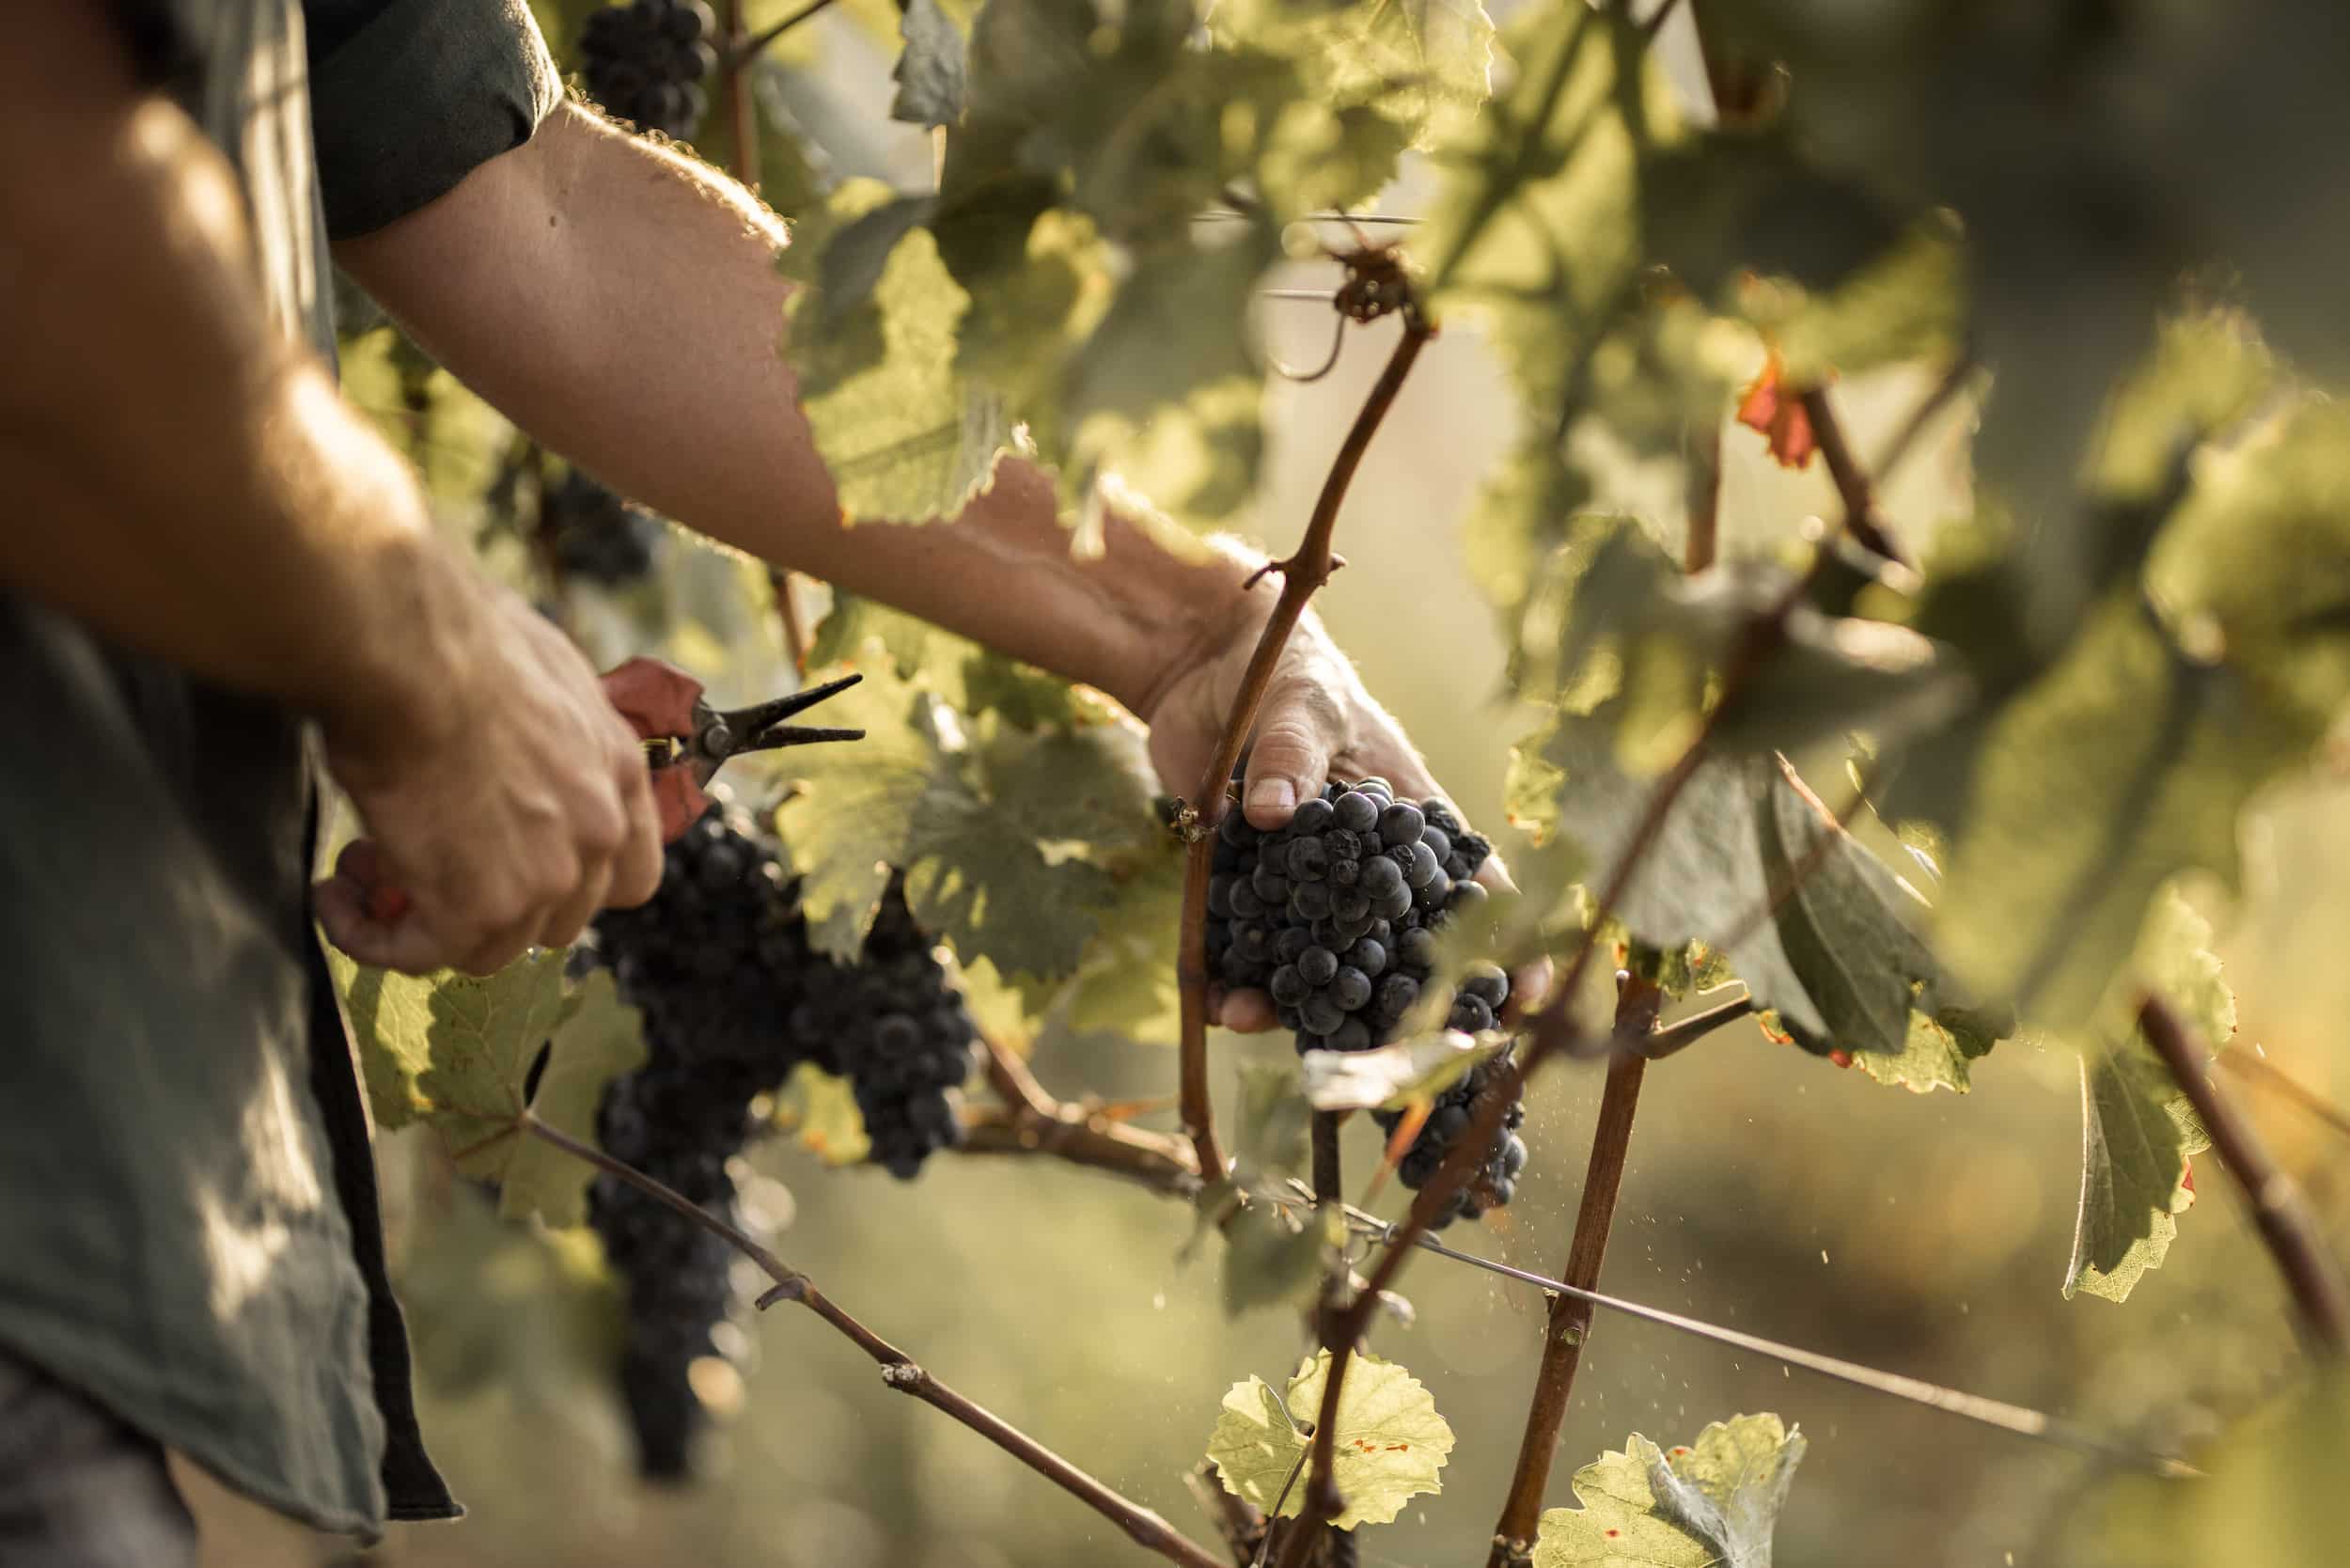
(1297,731)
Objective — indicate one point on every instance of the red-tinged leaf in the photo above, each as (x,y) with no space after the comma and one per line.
(1776,409)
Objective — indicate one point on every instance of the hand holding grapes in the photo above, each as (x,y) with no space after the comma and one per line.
(1317,722)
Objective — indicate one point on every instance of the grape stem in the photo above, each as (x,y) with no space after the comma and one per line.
(899,1369)
(1032,1121)
(1330,1200)
(1637,1003)
(1688,1031)
(1301,574)
(2311,1274)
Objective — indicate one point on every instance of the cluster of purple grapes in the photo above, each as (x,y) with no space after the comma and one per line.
(734,998)
(1496,1180)
(1336,914)
(897,1029)
(646,62)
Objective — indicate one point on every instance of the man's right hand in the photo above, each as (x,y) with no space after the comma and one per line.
(510,807)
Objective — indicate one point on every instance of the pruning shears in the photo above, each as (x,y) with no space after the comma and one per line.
(686,740)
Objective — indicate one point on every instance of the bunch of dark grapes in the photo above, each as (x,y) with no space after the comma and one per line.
(1336,914)
(593,533)
(1495,1182)
(714,962)
(646,62)
(734,998)
(897,1029)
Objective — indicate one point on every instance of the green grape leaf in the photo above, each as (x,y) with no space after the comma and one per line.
(1538,227)
(1275,1254)
(1735,202)
(2158,754)
(857,251)
(1105,106)
(1637,630)
(2139,1129)
(1269,1135)
(1409,61)
(451,1050)
(1528,507)
(1317,158)
(2134,1168)
(1126,982)
(1905,302)
(930,72)
(906,438)
(1713,1505)
(1165,395)
(1749,862)
(968,678)
(1010,839)
(1390,1441)
(1938,1054)
(601,1037)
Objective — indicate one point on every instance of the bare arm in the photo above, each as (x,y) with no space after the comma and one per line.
(622,303)
(188,482)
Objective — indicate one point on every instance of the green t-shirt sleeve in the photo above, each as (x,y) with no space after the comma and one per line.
(408,97)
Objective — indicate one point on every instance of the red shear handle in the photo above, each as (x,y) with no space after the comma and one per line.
(656,697)
(659,700)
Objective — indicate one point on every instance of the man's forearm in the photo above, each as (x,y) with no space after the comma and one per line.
(183,477)
(622,303)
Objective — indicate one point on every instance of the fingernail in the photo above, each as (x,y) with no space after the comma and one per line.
(1272,794)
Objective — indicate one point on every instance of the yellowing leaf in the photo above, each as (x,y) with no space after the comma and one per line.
(2140,1130)
(1711,1505)
(1390,1441)
(821,1110)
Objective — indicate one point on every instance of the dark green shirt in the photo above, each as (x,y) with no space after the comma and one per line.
(188,1223)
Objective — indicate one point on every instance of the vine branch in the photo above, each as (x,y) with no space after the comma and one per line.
(1861,518)
(1032,1121)
(899,1369)
(1301,574)
(2283,1213)
(1687,1033)
(2259,1069)
(1637,1003)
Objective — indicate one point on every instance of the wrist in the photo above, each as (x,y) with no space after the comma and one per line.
(1198,611)
(402,685)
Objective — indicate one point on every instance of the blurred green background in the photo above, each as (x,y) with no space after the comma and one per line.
(1766,1189)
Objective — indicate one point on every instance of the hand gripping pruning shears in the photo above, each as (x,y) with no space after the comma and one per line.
(686,740)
